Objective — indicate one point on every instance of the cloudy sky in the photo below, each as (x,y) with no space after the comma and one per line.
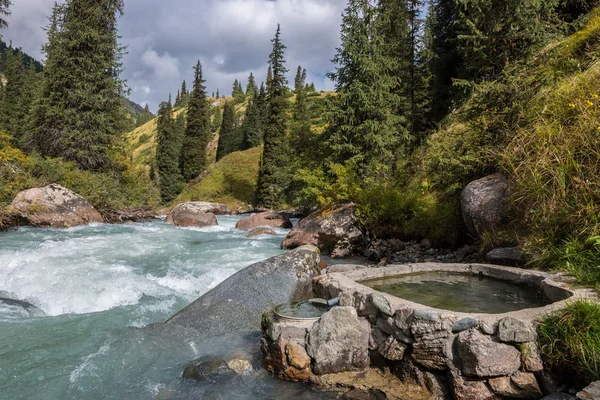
(230,37)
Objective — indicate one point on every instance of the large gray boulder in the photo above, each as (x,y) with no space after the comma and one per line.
(483,204)
(339,342)
(192,214)
(335,233)
(237,304)
(53,206)
(481,357)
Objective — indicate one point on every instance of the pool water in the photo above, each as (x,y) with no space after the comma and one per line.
(461,292)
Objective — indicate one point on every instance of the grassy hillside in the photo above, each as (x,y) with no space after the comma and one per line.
(231,181)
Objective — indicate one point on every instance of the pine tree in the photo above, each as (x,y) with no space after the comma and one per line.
(198,130)
(168,151)
(273,177)
(252,128)
(226,134)
(364,131)
(5,12)
(213,95)
(269,78)
(178,99)
(301,131)
(218,96)
(217,118)
(237,92)
(17,96)
(185,95)
(251,88)
(79,113)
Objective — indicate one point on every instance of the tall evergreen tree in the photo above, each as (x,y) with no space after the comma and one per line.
(185,95)
(251,88)
(168,151)
(364,130)
(217,118)
(237,92)
(273,177)
(218,96)
(252,128)
(4,12)
(269,78)
(198,130)
(79,112)
(227,132)
(17,96)
(301,119)
(178,99)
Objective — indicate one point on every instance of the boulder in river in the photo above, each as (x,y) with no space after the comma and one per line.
(192,214)
(483,204)
(53,206)
(269,218)
(336,233)
(237,304)
(260,231)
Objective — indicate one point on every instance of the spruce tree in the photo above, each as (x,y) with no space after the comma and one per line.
(273,176)
(217,118)
(252,127)
(218,96)
(185,94)
(5,12)
(300,117)
(226,133)
(17,96)
(79,113)
(251,88)
(269,78)
(178,99)
(364,130)
(168,151)
(198,129)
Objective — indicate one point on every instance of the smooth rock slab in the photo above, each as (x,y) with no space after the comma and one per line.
(510,256)
(464,325)
(481,357)
(339,342)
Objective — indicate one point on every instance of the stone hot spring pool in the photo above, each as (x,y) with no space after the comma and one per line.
(461,292)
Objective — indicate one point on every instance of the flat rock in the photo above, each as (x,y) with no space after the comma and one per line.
(590,392)
(260,231)
(238,303)
(207,369)
(339,342)
(191,214)
(53,206)
(481,357)
(512,330)
(268,218)
(335,233)
(464,324)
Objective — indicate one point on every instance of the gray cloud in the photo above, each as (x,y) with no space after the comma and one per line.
(230,37)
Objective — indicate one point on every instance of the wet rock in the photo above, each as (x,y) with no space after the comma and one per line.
(521,385)
(464,324)
(432,335)
(483,204)
(590,392)
(513,330)
(19,308)
(392,350)
(510,256)
(468,389)
(240,366)
(191,214)
(237,303)
(269,218)
(297,356)
(339,342)
(481,357)
(53,206)
(207,369)
(335,233)
(260,231)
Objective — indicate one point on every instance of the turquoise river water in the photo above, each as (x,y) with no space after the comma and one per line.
(98,287)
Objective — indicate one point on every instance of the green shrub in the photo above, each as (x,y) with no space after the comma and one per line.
(570,339)
(144,138)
